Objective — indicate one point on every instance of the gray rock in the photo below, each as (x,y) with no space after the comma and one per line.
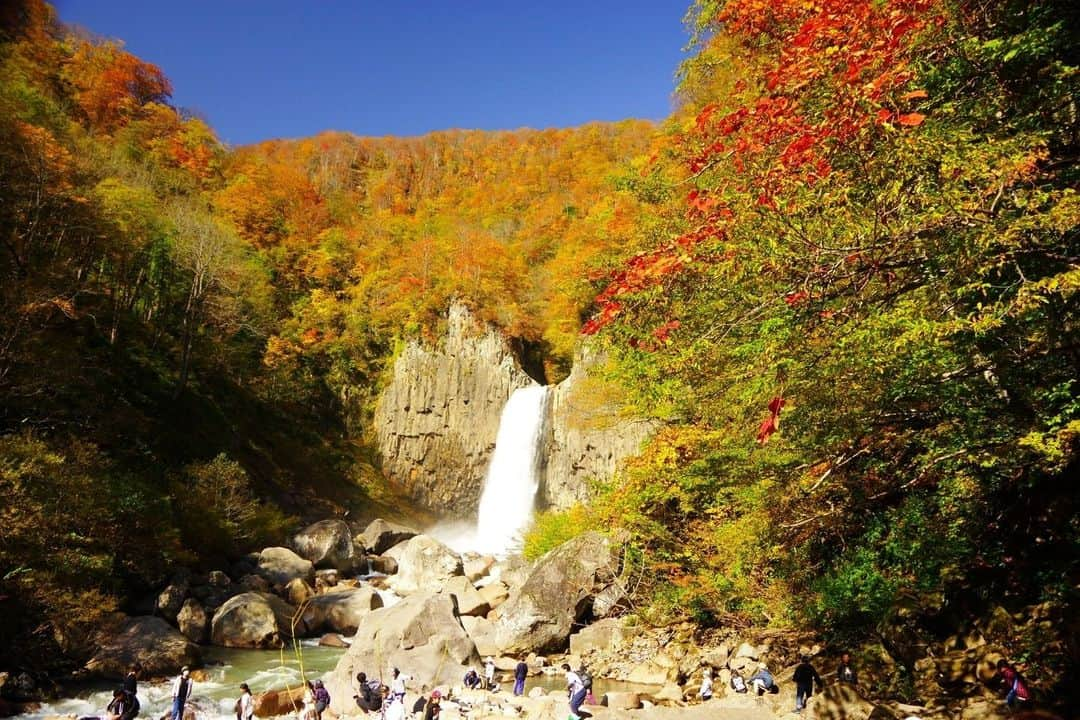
(279,565)
(170,600)
(478,566)
(327,544)
(296,592)
(255,620)
(192,621)
(425,564)
(466,598)
(254,583)
(494,594)
(381,535)
(538,617)
(609,634)
(419,634)
(341,609)
(217,578)
(382,564)
(590,433)
(482,632)
(149,641)
(436,421)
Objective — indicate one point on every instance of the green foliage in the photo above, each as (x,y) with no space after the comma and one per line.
(219,514)
(551,529)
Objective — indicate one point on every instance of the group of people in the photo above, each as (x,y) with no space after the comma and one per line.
(125,701)
(473,681)
(806,679)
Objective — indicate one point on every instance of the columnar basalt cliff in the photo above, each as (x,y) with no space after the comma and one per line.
(437,420)
(590,434)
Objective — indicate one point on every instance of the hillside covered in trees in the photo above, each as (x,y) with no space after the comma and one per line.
(843,274)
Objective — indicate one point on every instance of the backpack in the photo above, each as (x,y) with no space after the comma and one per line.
(586,679)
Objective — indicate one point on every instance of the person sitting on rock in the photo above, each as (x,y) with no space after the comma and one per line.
(123,706)
(1014,681)
(705,693)
(575,688)
(762,681)
(472,679)
(845,671)
(368,697)
(737,682)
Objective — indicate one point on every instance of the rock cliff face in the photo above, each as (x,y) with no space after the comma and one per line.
(437,420)
(589,434)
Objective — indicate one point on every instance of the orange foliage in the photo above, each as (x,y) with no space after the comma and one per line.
(112,85)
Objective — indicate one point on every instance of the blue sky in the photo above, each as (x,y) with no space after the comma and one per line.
(274,68)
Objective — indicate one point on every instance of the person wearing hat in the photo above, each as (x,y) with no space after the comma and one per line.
(489,673)
(181,691)
(245,706)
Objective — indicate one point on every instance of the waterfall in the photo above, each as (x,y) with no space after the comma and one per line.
(506,504)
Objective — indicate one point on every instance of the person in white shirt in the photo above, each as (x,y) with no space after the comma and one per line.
(489,673)
(575,688)
(706,685)
(397,686)
(181,691)
(245,706)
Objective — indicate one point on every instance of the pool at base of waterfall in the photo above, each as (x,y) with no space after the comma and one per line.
(214,697)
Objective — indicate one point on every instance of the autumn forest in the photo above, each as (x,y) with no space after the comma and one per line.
(842,276)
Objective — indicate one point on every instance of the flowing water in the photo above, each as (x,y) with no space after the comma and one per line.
(513,477)
(214,696)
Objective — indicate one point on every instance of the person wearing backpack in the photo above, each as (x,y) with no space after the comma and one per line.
(368,697)
(322,698)
(575,689)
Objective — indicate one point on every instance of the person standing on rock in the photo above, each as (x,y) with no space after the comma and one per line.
(131,680)
(322,698)
(575,689)
(521,671)
(397,687)
(245,706)
(806,677)
(845,671)
(705,693)
(489,673)
(181,691)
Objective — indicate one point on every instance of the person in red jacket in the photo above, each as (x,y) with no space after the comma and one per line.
(1014,681)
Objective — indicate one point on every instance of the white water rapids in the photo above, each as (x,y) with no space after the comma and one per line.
(513,477)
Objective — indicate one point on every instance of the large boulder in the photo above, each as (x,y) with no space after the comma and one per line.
(467,600)
(425,564)
(327,544)
(380,536)
(494,594)
(279,565)
(255,620)
(841,701)
(274,703)
(148,641)
(559,592)
(170,600)
(341,609)
(297,592)
(192,621)
(605,635)
(482,632)
(419,634)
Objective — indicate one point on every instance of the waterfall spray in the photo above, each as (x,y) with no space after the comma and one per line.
(506,505)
